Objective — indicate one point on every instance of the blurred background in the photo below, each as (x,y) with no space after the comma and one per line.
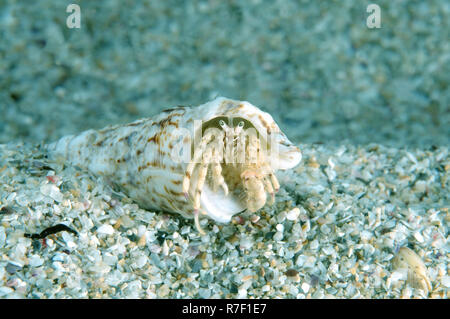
(315,66)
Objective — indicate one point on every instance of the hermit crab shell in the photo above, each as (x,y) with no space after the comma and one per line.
(147,159)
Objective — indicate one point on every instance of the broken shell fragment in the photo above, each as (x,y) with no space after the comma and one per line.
(417,272)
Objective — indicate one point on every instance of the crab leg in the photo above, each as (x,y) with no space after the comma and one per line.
(197,156)
(218,179)
(256,195)
(274,181)
(269,188)
(202,176)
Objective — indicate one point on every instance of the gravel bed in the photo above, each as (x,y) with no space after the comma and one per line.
(337,223)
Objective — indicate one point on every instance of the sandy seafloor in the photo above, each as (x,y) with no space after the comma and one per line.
(369,109)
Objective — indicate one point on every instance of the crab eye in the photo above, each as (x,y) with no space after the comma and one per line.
(241,124)
(222,123)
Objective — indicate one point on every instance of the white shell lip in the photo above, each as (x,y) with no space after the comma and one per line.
(289,157)
(219,207)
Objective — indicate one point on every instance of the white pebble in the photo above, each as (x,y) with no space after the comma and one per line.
(141,230)
(421,186)
(267,254)
(305,287)
(310,262)
(331,163)
(328,250)
(325,229)
(314,244)
(418,236)
(35,261)
(446,281)
(50,242)
(2,236)
(246,242)
(165,249)
(293,290)
(399,275)
(300,260)
(293,214)
(141,261)
(52,191)
(366,235)
(5,291)
(110,259)
(278,236)
(255,218)
(242,294)
(105,229)
(204,293)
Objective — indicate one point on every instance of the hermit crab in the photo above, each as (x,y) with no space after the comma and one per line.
(217,159)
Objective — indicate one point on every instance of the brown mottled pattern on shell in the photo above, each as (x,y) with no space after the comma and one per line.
(134,157)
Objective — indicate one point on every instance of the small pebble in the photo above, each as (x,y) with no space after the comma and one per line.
(5,291)
(142,241)
(418,236)
(255,218)
(446,281)
(293,214)
(278,236)
(35,261)
(52,191)
(105,229)
(6,210)
(12,268)
(305,287)
(291,272)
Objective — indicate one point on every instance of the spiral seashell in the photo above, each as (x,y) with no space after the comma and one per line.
(216,159)
(417,271)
